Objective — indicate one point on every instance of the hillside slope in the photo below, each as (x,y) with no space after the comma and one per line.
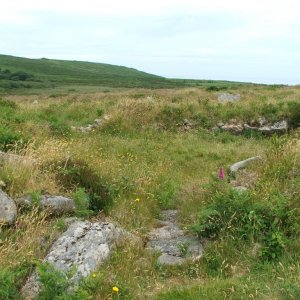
(24,73)
(62,72)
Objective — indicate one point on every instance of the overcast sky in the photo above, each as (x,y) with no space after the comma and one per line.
(254,40)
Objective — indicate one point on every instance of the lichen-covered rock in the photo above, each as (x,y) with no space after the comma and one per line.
(84,245)
(280,127)
(8,209)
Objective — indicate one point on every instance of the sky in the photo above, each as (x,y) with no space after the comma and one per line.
(253,41)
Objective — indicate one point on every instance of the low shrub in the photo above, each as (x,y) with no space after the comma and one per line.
(234,215)
(82,203)
(8,288)
(9,138)
(73,174)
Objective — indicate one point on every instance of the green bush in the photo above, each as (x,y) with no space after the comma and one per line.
(8,288)
(235,216)
(59,127)
(165,194)
(82,203)
(294,114)
(73,174)
(9,138)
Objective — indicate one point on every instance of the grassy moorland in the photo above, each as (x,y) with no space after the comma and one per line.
(144,151)
(39,76)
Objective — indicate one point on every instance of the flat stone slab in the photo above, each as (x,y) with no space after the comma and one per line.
(243,164)
(175,245)
(84,245)
(55,204)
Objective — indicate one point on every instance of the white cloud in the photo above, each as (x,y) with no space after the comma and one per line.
(158,33)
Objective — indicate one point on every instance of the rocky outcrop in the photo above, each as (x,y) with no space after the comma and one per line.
(174,244)
(8,209)
(83,247)
(54,204)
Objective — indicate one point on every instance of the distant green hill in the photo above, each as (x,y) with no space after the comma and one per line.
(25,73)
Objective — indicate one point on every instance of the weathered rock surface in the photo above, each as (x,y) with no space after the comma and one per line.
(234,127)
(55,204)
(84,245)
(174,244)
(58,204)
(8,209)
(242,164)
(280,127)
(226,97)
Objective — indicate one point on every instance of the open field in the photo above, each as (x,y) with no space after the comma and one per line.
(144,151)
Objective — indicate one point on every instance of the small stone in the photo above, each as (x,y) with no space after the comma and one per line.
(226,97)
(235,129)
(8,209)
(262,121)
(170,260)
(98,121)
(58,204)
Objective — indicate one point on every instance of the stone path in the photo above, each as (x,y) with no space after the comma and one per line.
(175,245)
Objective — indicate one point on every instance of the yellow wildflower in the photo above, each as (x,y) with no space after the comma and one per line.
(137,200)
(115,289)
(94,275)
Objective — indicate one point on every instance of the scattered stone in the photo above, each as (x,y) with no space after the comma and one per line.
(54,204)
(242,164)
(174,244)
(8,209)
(87,129)
(262,121)
(280,127)
(235,129)
(35,102)
(226,97)
(84,245)
(58,204)
(170,260)
(256,249)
